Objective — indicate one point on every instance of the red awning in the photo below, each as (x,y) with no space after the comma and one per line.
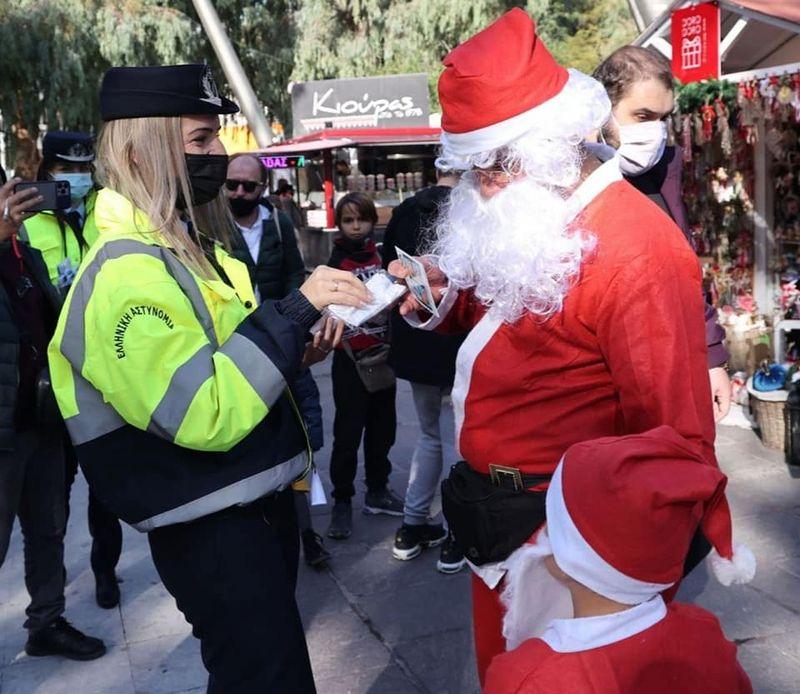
(333,138)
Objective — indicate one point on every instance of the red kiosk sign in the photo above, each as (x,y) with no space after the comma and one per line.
(695,42)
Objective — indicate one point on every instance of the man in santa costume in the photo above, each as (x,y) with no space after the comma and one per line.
(621,512)
(582,299)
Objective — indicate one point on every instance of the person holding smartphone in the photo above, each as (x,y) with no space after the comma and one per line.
(31,440)
(64,236)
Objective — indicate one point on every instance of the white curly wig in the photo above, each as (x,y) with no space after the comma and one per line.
(517,250)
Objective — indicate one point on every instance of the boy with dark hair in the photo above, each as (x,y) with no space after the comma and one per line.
(359,411)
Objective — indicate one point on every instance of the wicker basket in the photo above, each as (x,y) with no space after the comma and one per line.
(768,411)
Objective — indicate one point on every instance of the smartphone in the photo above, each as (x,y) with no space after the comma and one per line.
(56,194)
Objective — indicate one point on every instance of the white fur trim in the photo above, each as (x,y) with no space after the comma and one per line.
(532,597)
(543,117)
(585,633)
(476,340)
(740,569)
(579,560)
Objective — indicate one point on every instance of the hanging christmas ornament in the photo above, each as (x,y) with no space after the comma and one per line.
(697,122)
(686,137)
(796,96)
(723,127)
(709,115)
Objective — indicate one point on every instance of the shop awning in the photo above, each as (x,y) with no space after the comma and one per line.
(755,34)
(335,138)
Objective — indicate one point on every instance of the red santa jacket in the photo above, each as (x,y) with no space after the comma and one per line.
(363,260)
(627,352)
(683,650)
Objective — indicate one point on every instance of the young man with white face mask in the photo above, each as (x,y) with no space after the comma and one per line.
(639,84)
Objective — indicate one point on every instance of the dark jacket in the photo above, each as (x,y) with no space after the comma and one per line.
(418,355)
(363,260)
(10,337)
(306,395)
(280,267)
(663,184)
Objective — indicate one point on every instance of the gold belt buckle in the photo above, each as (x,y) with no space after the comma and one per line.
(500,474)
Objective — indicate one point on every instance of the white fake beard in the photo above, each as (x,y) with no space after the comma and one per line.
(516,250)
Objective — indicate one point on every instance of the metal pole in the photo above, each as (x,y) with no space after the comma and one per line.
(241,86)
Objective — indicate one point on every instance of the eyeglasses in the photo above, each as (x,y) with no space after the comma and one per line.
(495,177)
(232,185)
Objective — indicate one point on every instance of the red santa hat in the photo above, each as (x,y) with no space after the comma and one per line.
(502,83)
(622,511)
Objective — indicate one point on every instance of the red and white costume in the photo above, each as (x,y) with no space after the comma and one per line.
(626,353)
(649,648)
(621,513)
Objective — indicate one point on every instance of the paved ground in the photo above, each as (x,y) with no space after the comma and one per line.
(381,626)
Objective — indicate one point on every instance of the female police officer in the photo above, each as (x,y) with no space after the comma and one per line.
(173,386)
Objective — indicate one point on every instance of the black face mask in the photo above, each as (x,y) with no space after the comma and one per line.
(241,207)
(207,173)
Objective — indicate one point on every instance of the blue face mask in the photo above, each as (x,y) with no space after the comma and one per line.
(79,183)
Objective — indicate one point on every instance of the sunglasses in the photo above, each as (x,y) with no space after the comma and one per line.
(232,185)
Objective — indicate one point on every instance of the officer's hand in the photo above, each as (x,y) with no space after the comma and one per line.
(324,341)
(328,286)
(14,207)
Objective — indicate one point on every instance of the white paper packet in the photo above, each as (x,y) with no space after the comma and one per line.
(385,293)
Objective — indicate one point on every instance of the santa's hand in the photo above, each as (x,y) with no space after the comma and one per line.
(436,279)
(720,392)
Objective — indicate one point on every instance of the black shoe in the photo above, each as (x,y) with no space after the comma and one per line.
(410,540)
(451,558)
(313,550)
(341,526)
(61,638)
(383,501)
(106,590)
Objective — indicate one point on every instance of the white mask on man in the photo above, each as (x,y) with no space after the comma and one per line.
(79,185)
(641,146)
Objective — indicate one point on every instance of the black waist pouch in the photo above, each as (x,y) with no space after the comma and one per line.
(489,522)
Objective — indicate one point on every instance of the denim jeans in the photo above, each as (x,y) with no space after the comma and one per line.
(428,458)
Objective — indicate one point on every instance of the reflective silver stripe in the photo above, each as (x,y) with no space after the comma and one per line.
(96,417)
(239,493)
(256,367)
(169,414)
(189,286)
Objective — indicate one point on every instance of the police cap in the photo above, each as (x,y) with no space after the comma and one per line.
(64,145)
(169,90)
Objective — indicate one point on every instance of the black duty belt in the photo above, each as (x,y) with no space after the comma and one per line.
(512,478)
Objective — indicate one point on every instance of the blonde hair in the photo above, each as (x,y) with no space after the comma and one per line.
(142,159)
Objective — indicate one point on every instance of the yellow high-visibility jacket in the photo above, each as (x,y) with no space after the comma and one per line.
(57,241)
(173,386)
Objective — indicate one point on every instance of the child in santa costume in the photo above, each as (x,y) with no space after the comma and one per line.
(581,298)
(620,515)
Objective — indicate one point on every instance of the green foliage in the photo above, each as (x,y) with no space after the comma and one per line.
(692,96)
(357,38)
(55,51)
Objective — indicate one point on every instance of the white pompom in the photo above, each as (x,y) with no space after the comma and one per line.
(740,569)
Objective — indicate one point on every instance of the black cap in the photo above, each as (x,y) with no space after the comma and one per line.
(64,145)
(169,90)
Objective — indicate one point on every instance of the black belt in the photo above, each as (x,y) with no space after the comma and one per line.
(512,478)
